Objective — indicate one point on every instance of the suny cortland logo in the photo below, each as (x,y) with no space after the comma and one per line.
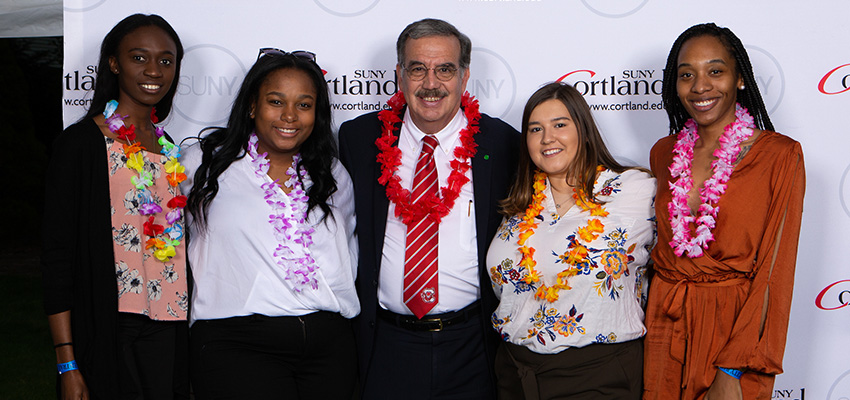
(614,9)
(491,81)
(628,82)
(834,296)
(346,8)
(789,394)
(361,90)
(625,90)
(836,81)
(769,76)
(209,80)
(82,5)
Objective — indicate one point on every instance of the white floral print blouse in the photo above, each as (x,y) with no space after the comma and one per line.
(607,296)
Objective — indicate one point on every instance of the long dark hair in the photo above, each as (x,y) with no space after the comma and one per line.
(750,97)
(223,146)
(591,151)
(106,83)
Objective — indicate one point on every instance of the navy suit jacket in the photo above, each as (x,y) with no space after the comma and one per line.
(493,169)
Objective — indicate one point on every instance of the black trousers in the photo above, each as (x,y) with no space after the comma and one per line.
(449,364)
(259,357)
(151,366)
(596,371)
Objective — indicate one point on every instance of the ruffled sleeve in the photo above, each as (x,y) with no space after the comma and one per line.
(769,299)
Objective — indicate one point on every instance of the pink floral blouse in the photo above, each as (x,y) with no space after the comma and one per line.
(146,285)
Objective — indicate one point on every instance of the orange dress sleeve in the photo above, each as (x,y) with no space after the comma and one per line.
(757,341)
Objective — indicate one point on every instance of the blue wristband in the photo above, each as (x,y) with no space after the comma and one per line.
(735,373)
(66,367)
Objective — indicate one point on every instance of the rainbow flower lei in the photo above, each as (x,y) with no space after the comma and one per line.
(578,252)
(714,187)
(289,221)
(162,240)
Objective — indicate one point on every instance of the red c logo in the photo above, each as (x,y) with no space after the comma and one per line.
(844,80)
(843,303)
(580,70)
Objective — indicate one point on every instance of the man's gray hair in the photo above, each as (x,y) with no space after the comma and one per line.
(433,27)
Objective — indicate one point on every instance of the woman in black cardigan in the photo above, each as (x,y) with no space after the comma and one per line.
(101,353)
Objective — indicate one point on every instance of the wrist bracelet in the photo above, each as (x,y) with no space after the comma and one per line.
(66,367)
(56,346)
(735,373)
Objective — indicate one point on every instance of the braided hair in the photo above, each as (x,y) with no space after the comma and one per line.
(750,97)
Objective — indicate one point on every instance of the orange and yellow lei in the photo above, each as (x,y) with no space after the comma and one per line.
(577,254)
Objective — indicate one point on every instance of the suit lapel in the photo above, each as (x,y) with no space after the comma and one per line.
(481,176)
(380,207)
(380,203)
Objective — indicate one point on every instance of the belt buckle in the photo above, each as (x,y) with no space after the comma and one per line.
(438,321)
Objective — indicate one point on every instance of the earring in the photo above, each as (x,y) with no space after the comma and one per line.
(742,87)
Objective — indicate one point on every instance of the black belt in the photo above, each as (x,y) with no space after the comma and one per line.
(431,323)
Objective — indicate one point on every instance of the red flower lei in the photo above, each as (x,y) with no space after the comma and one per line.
(434,207)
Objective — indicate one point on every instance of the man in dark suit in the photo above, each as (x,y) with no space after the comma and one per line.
(424,331)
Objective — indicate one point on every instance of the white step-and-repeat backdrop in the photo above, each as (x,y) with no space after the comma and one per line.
(612,50)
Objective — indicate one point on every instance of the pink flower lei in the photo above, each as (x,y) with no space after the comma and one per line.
(289,220)
(714,187)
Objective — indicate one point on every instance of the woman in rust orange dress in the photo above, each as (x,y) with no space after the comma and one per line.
(728,208)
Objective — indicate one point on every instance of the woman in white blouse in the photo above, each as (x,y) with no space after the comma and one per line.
(568,262)
(272,247)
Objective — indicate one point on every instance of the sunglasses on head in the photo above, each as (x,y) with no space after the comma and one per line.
(307,55)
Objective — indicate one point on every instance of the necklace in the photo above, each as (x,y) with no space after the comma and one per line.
(714,187)
(577,251)
(434,207)
(162,240)
(289,220)
(558,205)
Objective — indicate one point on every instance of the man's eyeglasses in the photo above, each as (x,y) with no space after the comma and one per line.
(307,55)
(444,72)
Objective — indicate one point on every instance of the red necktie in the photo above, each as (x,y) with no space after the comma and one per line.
(420,254)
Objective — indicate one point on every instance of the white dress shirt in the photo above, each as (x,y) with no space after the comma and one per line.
(232,260)
(457,253)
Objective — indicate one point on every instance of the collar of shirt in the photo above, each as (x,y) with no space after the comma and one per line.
(411,136)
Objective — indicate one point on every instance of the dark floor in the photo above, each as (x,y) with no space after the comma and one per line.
(27,369)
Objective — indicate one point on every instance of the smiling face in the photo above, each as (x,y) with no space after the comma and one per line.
(432,102)
(708,82)
(284,113)
(145,65)
(552,138)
